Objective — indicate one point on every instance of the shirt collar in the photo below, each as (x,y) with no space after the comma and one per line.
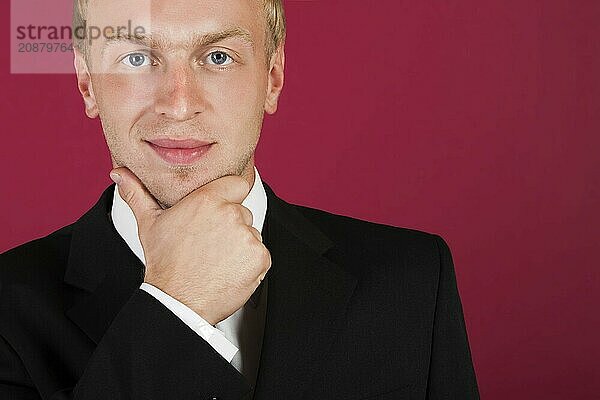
(126,224)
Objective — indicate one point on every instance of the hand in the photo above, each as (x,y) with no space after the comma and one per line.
(203,251)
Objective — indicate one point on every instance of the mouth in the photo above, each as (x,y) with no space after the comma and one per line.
(179,151)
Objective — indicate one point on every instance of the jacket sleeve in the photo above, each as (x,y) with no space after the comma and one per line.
(451,373)
(146,353)
(202,327)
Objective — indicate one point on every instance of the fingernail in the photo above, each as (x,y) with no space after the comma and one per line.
(115,177)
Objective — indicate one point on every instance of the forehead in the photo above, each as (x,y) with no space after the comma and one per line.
(179,19)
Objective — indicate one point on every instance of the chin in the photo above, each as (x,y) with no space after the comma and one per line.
(169,201)
(170,192)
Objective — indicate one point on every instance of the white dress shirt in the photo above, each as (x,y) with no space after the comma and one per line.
(224,337)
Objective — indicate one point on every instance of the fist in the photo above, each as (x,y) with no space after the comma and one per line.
(203,251)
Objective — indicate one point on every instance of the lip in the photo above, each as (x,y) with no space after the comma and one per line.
(179,151)
(178,143)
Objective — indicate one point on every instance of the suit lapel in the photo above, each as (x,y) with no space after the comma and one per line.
(306,302)
(103,266)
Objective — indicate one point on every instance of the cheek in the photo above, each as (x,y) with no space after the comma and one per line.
(122,98)
(238,100)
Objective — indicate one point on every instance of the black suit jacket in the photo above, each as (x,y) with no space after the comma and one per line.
(355,310)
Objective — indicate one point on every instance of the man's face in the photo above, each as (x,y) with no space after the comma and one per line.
(198,72)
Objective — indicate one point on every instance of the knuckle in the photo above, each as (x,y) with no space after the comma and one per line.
(249,239)
(239,183)
(226,212)
(264,255)
(233,213)
(247,213)
(255,232)
(238,180)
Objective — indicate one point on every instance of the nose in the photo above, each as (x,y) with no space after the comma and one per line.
(179,95)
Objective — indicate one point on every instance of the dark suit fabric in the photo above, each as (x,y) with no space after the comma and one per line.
(355,310)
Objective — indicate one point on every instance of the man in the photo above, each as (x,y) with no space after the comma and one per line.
(190,278)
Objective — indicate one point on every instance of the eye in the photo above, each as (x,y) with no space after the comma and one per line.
(219,58)
(136,60)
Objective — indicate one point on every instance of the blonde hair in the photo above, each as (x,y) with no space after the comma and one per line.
(273,10)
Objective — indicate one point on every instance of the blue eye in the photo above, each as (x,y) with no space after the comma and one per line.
(136,60)
(220,58)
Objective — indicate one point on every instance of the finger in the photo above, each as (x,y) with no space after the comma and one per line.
(256,233)
(135,194)
(231,188)
(246,215)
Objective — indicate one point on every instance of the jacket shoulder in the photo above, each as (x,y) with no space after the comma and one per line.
(350,229)
(378,249)
(38,260)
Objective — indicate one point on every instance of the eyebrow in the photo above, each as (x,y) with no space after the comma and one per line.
(195,41)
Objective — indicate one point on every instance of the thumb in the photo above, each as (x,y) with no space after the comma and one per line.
(135,194)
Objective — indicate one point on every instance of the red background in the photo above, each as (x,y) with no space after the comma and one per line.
(476,121)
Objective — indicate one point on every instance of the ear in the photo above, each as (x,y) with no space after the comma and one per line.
(275,80)
(84,83)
